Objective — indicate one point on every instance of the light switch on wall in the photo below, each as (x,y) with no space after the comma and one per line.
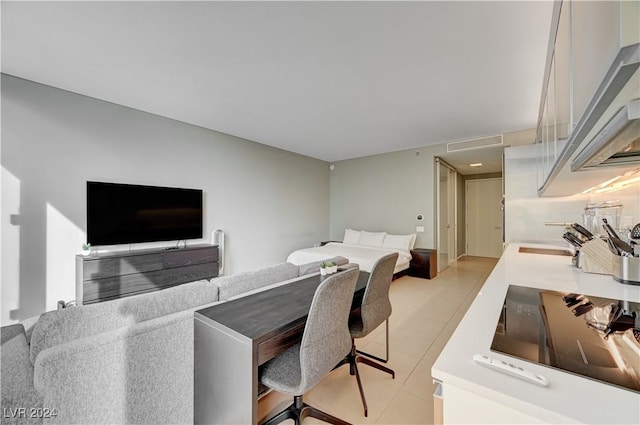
(419,229)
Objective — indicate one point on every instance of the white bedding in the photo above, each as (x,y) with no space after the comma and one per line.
(364,256)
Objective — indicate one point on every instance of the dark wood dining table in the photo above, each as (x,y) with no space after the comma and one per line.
(232,339)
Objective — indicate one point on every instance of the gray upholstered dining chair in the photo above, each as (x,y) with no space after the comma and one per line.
(325,342)
(375,309)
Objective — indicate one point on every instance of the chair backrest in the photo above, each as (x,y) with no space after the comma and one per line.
(326,339)
(376,307)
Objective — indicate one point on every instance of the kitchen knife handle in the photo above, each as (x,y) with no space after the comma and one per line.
(584,232)
(612,233)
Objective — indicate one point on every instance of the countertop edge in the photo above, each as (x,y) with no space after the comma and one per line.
(554,404)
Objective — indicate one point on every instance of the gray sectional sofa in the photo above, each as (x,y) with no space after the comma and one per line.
(123,361)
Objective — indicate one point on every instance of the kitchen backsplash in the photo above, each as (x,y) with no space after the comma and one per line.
(526,213)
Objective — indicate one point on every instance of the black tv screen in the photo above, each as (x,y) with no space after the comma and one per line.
(124,213)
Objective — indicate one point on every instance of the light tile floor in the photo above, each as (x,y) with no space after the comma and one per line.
(425,315)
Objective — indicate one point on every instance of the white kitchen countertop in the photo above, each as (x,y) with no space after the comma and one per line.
(568,398)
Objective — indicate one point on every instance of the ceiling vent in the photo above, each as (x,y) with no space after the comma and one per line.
(483,142)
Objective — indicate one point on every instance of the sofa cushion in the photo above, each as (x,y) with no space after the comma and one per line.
(141,374)
(17,376)
(61,326)
(314,267)
(29,324)
(248,281)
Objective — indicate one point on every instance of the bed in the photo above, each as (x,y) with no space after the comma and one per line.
(361,247)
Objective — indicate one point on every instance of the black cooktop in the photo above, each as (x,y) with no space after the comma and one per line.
(595,337)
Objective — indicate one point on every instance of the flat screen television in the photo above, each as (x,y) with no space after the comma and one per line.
(124,213)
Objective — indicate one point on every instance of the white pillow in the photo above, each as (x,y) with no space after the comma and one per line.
(398,241)
(413,241)
(351,236)
(371,238)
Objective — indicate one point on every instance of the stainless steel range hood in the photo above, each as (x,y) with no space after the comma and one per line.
(619,128)
(617,144)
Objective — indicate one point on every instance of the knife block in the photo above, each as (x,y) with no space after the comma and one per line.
(596,257)
(627,270)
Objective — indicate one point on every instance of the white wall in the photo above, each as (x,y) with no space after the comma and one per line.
(268,201)
(385,193)
(526,213)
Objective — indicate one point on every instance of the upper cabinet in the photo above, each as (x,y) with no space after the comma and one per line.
(595,29)
(561,69)
(592,56)
(556,119)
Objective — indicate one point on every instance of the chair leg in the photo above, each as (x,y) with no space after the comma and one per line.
(355,358)
(353,370)
(354,364)
(319,414)
(344,361)
(361,359)
(299,410)
(385,360)
(352,359)
(287,413)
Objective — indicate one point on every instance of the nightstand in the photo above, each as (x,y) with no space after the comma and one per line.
(423,263)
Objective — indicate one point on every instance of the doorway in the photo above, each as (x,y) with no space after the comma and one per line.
(484,214)
(446,222)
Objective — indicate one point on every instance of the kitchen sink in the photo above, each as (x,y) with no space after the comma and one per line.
(545,251)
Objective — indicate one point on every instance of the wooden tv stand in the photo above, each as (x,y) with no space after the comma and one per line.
(112,275)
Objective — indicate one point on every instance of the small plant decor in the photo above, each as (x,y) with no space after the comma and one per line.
(329,266)
(86,248)
(334,267)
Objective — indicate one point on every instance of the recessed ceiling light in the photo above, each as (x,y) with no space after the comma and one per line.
(477,164)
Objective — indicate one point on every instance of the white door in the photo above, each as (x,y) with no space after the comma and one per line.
(446,196)
(484,217)
(452,215)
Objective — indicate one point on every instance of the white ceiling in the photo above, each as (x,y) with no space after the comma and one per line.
(331,80)
(490,158)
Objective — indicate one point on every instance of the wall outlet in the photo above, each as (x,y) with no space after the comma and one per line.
(419,229)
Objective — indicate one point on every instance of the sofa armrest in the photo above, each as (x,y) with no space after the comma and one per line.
(10,331)
(17,375)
